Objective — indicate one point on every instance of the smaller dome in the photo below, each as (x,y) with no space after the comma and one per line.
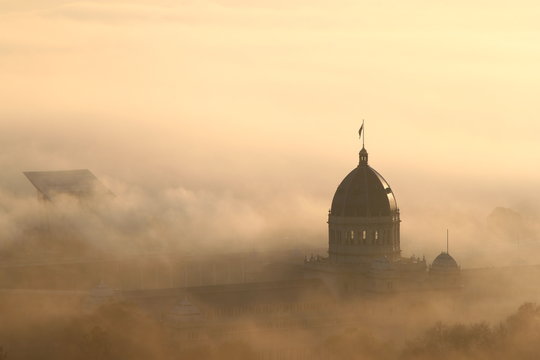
(444,261)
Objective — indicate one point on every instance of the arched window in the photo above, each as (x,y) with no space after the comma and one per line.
(364,236)
(377,235)
(352,236)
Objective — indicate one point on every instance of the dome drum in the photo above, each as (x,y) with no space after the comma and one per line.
(354,239)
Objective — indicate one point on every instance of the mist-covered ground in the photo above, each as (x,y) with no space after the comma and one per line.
(229,124)
(405,326)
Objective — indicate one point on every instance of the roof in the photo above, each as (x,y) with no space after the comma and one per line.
(79,183)
(444,261)
(363,193)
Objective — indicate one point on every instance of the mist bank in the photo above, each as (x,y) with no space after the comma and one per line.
(249,201)
(396,327)
(229,124)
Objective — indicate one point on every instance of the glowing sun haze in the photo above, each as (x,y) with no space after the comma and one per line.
(261,101)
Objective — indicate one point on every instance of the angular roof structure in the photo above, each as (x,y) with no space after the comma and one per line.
(78,183)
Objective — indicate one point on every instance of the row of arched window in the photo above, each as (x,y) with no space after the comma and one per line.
(359,237)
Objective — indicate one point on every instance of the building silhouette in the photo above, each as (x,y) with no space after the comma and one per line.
(364,247)
(363,222)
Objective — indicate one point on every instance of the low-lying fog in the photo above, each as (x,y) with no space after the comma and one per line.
(224,124)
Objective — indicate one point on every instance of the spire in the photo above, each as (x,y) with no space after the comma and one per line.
(363,153)
(447,241)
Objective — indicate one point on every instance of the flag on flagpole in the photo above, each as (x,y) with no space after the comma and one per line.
(360,131)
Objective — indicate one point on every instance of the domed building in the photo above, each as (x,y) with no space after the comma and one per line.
(364,247)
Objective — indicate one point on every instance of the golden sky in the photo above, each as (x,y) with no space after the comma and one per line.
(267,96)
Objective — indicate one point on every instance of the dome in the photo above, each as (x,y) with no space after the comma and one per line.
(363,193)
(444,261)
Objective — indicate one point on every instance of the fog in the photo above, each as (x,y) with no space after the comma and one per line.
(244,114)
(392,327)
(226,126)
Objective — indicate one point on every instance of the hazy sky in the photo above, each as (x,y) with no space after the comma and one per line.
(260,101)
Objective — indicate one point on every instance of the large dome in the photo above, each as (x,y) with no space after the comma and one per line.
(363,193)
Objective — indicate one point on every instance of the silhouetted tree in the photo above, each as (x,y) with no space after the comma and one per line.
(445,341)
(516,337)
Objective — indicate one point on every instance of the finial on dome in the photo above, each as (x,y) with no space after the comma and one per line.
(363,157)
(363,153)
